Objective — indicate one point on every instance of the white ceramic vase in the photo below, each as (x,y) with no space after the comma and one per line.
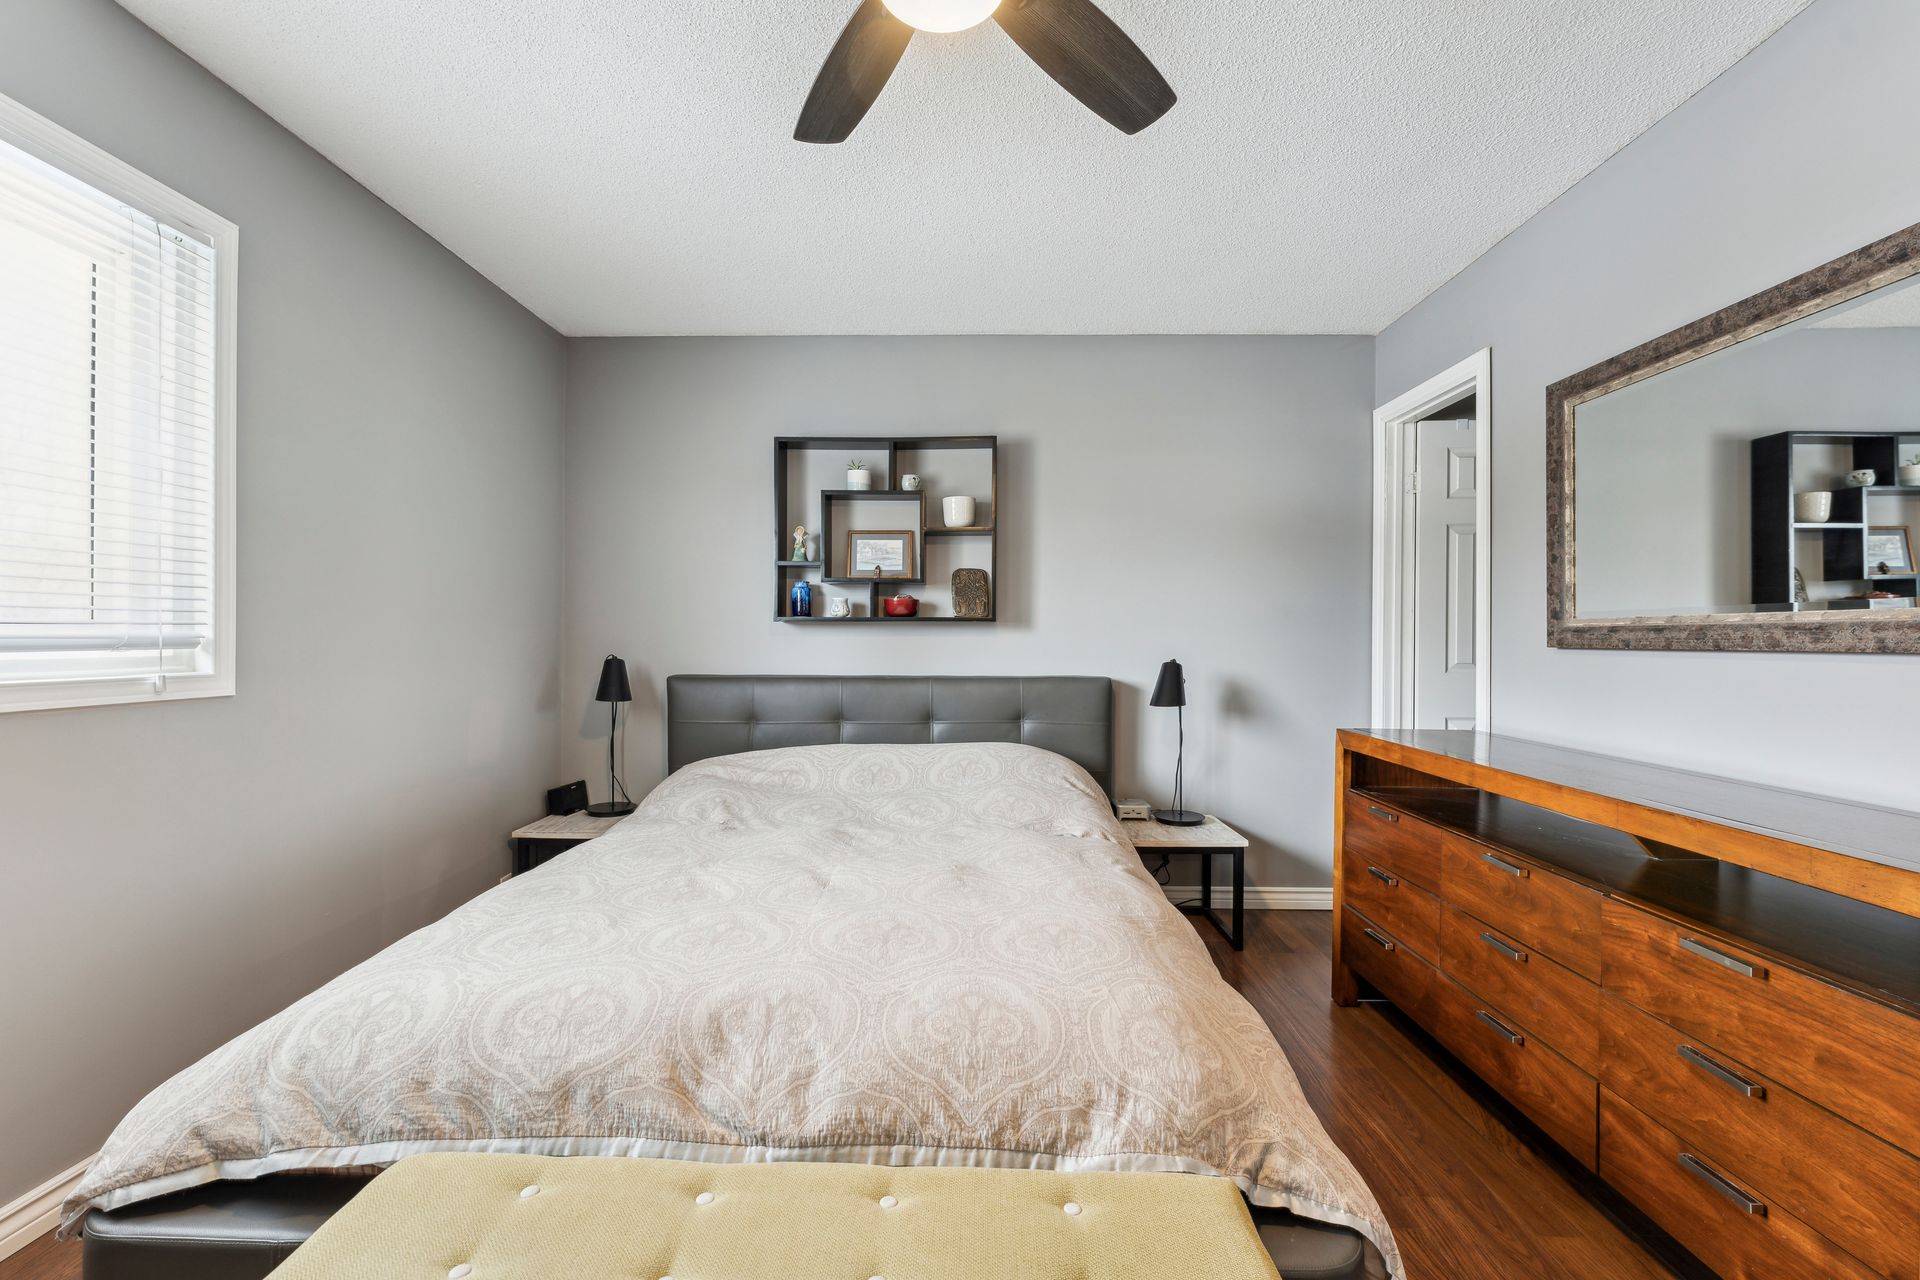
(959,512)
(861,479)
(1812,508)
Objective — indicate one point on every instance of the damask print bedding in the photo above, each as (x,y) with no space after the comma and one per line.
(909,955)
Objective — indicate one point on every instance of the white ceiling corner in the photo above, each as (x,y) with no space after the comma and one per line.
(1893,306)
(628,168)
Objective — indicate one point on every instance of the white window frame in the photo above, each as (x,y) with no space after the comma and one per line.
(42,138)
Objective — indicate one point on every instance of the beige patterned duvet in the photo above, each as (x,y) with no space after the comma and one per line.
(933,955)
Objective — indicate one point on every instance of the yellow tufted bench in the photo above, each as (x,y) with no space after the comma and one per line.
(508,1217)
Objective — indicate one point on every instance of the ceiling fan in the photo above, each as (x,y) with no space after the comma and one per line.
(1072,40)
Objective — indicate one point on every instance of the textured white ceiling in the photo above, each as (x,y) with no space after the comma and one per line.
(626,166)
(1894,306)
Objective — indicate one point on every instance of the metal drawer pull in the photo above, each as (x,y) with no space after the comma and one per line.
(1385,815)
(1721,958)
(1511,953)
(1701,1170)
(1390,881)
(1513,1037)
(1725,1075)
(1508,867)
(1386,943)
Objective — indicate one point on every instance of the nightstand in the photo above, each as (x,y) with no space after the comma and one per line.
(1210,838)
(534,843)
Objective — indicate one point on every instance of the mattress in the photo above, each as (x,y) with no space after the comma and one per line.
(934,955)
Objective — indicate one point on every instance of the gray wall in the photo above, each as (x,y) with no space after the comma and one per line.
(1798,154)
(1200,498)
(174,873)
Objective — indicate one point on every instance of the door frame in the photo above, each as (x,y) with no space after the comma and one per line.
(1393,533)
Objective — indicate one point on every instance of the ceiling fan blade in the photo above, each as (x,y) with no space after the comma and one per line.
(1091,57)
(854,74)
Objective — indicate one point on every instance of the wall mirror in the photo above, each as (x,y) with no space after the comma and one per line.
(1752,480)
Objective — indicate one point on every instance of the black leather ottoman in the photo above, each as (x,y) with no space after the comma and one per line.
(1305,1250)
(243,1230)
(222,1231)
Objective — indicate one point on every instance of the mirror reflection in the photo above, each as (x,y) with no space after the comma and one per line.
(1779,474)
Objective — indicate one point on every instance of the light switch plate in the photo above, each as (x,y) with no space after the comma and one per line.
(1134,810)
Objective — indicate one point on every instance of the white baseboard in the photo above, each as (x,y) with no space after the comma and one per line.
(1260,897)
(37,1212)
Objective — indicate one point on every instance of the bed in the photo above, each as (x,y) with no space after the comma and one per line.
(881,920)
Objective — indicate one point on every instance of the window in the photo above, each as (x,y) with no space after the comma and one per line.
(116,430)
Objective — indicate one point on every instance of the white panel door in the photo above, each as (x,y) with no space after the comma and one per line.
(1447,480)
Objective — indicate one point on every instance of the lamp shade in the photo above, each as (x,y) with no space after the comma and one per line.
(613,682)
(1170,690)
(942,15)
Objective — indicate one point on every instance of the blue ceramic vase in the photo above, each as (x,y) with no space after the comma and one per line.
(801,598)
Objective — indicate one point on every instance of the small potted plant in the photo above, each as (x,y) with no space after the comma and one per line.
(858,477)
(1910,471)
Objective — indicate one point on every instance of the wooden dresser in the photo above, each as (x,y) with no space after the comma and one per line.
(1707,991)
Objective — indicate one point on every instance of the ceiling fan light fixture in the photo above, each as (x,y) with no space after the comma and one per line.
(942,15)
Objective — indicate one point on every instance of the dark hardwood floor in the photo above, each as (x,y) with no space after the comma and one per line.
(44,1259)
(1472,1191)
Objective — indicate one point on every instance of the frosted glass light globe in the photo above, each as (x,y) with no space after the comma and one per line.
(942,15)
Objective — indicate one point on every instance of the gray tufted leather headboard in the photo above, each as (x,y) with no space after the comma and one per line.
(719,715)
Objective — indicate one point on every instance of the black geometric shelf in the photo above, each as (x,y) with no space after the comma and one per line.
(1837,559)
(789,510)
(882,619)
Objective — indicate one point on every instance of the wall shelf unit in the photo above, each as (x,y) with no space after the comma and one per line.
(1830,556)
(809,475)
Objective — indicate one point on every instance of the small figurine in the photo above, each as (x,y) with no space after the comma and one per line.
(799,542)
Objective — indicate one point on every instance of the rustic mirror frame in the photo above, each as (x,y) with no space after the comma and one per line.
(1881,263)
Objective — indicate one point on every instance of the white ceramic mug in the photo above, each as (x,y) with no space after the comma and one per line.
(910,482)
(959,512)
(1812,508)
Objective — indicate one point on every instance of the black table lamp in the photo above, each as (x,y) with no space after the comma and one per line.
(1170,690)
(613,691)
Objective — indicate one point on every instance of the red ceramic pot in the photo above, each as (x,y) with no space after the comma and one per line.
(900,606)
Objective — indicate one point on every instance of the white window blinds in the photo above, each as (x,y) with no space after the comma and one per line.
(108,467)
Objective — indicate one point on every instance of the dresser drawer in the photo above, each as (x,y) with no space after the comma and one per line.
(1548,912)
(1408,912)
(1705,1207)
(1548,999)
(1385,837)
(1850,1054)
(1552,1091)
(1842,1181)
(1380,958)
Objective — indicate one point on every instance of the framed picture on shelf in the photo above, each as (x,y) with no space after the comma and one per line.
(1891,546)
(880,553)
